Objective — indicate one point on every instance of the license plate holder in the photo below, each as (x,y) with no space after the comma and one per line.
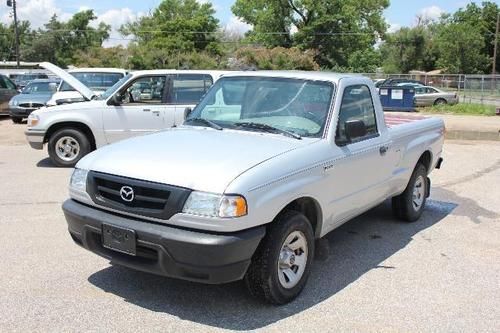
(119,239)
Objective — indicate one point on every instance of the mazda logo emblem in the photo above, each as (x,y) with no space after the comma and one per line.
(127,193)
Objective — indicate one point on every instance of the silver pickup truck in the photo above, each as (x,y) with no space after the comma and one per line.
(267,164)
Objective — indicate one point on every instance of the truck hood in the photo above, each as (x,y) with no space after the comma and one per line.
(192,157)
(69,79)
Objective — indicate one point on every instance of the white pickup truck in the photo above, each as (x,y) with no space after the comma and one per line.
(265,165)
(140,103)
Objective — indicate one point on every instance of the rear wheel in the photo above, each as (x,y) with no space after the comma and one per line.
(440,101)
(17,120)
(281,265)
(410,204)
(67,146)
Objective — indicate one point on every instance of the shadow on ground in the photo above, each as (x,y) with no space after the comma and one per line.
(355,248)
(46,163)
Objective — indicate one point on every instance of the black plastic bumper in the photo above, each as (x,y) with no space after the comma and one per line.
(166,250)
(20,112)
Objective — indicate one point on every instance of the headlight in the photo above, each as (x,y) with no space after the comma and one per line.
(79,180)
(13,102)
(215,205)
(33,120)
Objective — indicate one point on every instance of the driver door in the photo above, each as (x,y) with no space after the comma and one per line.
(142,109)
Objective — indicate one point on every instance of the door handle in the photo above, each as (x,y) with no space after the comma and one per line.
(156,113)
(146,110)
(383,150)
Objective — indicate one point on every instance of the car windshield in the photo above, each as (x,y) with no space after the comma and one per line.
(93,80)
(40,88)
(297,106)
(111,91)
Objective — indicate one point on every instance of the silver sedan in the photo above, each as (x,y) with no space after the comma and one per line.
(428,96)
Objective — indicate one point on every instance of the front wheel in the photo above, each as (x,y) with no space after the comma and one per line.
(410,204)
(17,120)
(67,146)
(281,265)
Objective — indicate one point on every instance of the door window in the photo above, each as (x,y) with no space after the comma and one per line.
(145,90)
(3,84)
(357,104)
(190,88)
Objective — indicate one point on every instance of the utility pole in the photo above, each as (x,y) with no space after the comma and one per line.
(12,3)
(494,72)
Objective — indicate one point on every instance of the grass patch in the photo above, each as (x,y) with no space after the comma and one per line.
(462,109)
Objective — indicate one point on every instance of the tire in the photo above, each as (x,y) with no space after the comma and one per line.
(405,206)
(440,101)
(265,278)
(17,120)
(79,146)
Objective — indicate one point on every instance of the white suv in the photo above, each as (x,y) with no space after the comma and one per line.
(142,102)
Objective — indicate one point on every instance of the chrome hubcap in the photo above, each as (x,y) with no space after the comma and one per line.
(418,193)
(67,148)
(292,260)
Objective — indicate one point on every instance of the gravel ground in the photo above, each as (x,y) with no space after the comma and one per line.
(439,274)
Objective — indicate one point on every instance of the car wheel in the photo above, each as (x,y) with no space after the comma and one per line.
(17,120)
(67,146)
(281,264)
(440,101)
(410,204)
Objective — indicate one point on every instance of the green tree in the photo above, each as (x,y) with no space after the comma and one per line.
(409,49)
(176,27)
(335,28)
(484,19)
(460,47)
(59,42)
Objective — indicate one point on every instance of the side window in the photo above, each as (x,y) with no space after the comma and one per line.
(357,104)
(146,89)
(3,84)
(9,84)
(190,88)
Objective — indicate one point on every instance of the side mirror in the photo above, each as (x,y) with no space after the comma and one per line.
(115,100)
(187,112)
(355,129)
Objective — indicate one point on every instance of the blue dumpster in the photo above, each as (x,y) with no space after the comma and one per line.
(397,98)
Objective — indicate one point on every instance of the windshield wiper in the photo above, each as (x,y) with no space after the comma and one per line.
(207,122)
(267,128)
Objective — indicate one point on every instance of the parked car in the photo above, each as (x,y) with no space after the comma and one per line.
(397,81)
(428,96)
(22,80)
(8,90)
(267,163)
(96,79)
(140,103)
(34,96)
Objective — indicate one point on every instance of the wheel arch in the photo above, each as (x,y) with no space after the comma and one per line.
(74,125)
(311,209)
(426,160)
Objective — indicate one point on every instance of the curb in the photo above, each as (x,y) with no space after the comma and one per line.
(472,135)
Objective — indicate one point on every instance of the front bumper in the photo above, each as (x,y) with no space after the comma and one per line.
(35,138)
(165,250)
(20,112)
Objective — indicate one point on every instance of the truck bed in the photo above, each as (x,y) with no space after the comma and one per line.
(392,120)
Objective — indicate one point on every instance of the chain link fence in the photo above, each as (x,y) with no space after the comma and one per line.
(477,89)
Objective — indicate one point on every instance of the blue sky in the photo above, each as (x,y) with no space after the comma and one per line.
(116,12)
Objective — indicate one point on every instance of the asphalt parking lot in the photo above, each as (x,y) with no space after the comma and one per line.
(441,273)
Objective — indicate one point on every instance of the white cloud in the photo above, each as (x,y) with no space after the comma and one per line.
(116,18)
(37,12)
(431,13)
(236,26)
(393,27)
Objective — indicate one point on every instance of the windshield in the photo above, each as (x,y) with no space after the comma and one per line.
(297,106)
(94,81)
(40,88)
(111,91)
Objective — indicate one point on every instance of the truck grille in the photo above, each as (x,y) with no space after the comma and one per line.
(149,199)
